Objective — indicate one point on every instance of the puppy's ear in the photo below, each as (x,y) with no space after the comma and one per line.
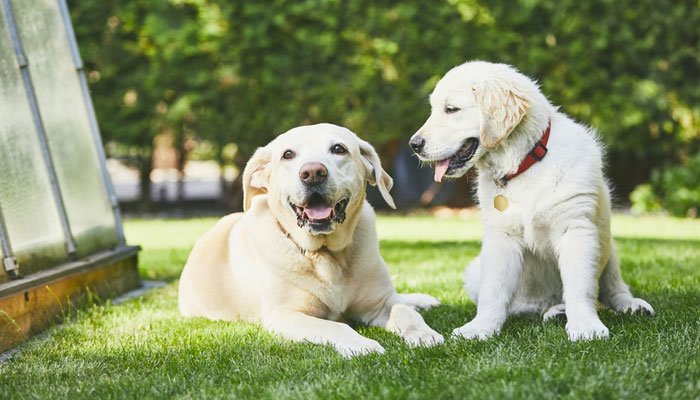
(255,176)
(501,108)
(375,173)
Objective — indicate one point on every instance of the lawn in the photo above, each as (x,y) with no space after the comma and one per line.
(143,349)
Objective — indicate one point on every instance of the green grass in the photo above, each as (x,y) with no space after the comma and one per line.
(144,349)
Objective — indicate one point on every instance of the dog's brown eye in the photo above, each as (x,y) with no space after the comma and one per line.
(288,155)
(338,149)
(451,109)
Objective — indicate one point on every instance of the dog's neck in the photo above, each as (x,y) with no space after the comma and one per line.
(507,156)
(289,237)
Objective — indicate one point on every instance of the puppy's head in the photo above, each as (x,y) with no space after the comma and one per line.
(315,178)
(475,106)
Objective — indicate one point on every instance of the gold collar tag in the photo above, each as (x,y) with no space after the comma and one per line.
(500,202)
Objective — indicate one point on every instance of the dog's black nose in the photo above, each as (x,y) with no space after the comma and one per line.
(417,143)
(313,173)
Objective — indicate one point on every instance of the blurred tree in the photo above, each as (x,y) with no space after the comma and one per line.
(242,72)
(119,70)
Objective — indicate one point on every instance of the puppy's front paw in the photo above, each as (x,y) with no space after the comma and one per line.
(634,306)
(420,301)
(586,330)
(358,347)
(425,337)
(477,330)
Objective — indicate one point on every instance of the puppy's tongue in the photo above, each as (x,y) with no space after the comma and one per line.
(319,212)
(441,168)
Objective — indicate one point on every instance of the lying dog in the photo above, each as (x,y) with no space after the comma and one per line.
(545,204)
(304,254)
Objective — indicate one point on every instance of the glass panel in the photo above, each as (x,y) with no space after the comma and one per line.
(66,122)
(32,220)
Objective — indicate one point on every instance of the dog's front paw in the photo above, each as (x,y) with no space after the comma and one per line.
(425,337)
(586,330)
(477,330)
(634,306)
(420,301)
(358,347)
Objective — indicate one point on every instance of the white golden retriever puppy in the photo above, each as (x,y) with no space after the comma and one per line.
(304,255)
(545,204)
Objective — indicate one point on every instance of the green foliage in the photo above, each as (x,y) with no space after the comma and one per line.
(644,200)
(675,189)
(243,72)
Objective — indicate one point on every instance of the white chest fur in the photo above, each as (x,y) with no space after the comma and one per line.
(318,276)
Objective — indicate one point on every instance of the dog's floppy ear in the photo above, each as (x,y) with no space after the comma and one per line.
(501,108)
(375,173)
(255,176)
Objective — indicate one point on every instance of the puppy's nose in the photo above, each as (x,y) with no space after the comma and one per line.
(417,143)
(313,173)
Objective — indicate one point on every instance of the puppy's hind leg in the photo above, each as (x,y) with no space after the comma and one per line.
(555,312)
(614,293)
(472,279)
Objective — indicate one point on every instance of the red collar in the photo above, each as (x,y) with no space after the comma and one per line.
(536,154)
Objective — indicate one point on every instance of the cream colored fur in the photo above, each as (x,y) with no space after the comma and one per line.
(259,266)
(551,250)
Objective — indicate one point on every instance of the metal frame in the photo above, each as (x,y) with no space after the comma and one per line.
(9,261)
(97,138)
(39,125)
(71,268)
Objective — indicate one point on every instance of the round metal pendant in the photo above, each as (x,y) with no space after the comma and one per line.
(500,202)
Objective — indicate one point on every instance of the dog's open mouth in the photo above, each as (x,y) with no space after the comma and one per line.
(318,213)
(452,164)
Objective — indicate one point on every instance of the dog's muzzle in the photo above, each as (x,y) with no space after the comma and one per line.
(319,213)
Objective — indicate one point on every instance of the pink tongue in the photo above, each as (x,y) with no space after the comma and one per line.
(441,169)
(318,212)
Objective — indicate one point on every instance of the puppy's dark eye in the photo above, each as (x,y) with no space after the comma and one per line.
(451,109)
(288,155)
(338,149)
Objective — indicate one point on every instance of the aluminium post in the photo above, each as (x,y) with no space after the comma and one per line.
(9,262)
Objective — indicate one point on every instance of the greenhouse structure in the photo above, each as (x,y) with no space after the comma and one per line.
(60,226)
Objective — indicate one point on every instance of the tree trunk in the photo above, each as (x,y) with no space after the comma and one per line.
(222,179)
(231,192)
(235,197)
(145,168)
(181,160)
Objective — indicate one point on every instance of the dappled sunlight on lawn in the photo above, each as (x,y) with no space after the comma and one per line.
(143,347)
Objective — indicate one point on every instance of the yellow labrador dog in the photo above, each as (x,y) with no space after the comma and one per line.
(545,204)
(304,255)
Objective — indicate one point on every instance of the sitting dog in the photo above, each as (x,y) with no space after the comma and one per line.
(545,204)
(304,256)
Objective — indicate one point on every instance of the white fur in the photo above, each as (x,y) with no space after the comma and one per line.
(551,250)
(259,266)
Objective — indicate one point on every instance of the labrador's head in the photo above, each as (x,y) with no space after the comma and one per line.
(315,178)
(475,106)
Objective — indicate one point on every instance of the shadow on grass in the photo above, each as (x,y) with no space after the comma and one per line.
(199,358)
